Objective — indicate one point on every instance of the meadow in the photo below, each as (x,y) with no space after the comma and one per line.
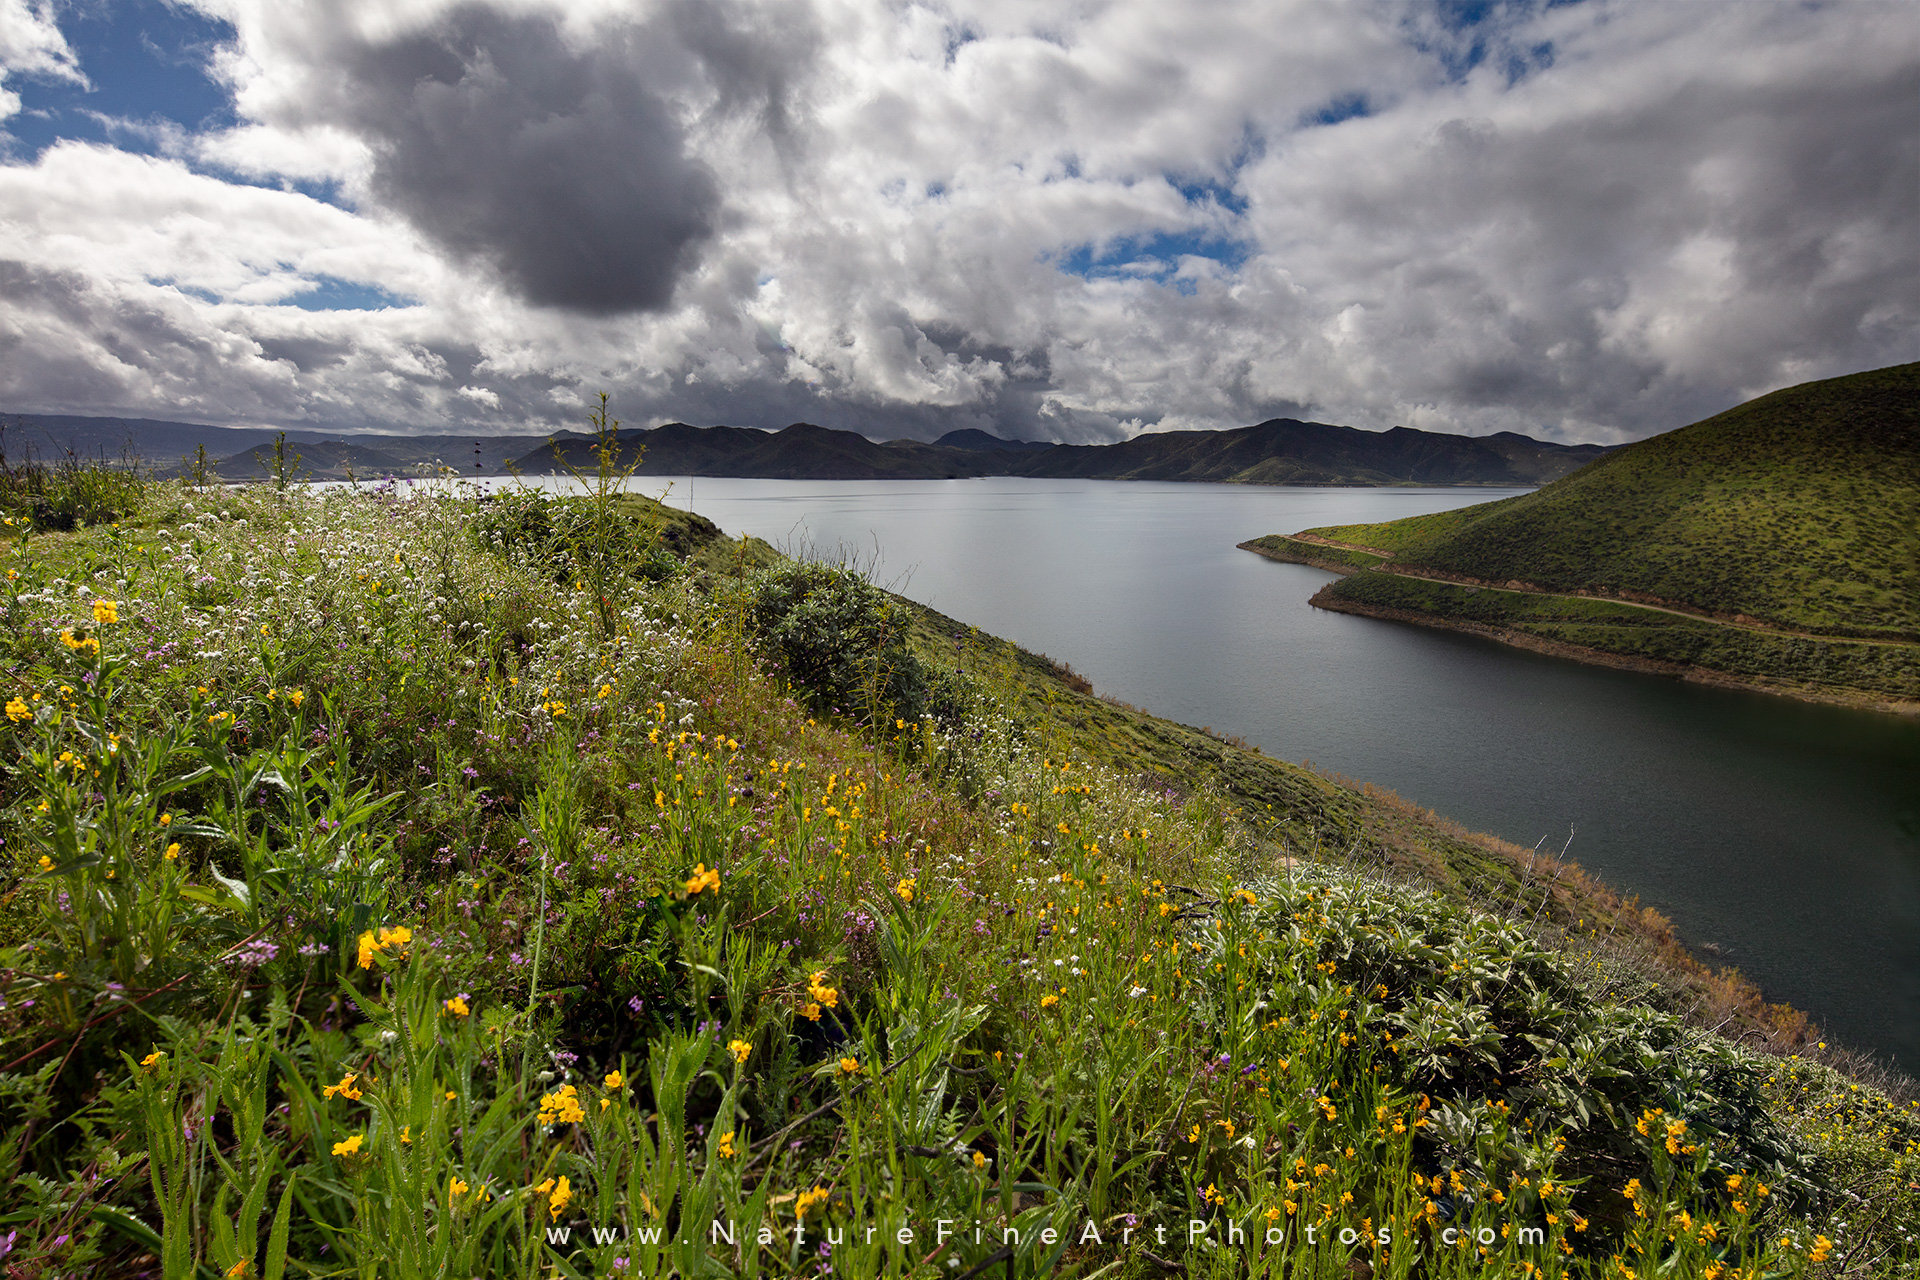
(403,882)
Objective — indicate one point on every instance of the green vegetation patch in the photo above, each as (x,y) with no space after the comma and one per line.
(1340,559)
(1884,670)
(1800,508)
(418,887)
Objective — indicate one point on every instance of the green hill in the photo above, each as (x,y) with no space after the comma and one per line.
(1795,518)
(1801,509)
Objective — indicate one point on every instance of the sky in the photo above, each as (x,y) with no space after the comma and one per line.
(1053,220)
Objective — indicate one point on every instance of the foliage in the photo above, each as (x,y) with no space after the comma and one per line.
(1800,508)
(840,639)
(1868,667)
(379,902)
(70,492)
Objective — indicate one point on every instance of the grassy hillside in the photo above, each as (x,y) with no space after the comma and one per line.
(432,886)
(1800,509)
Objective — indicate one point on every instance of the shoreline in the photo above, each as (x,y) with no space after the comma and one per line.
(1858,700)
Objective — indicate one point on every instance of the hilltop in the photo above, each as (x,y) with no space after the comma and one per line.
(1777,543)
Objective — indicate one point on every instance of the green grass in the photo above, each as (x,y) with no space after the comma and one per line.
(1860,667)
(411,887)
(1340,559)
(1800,509)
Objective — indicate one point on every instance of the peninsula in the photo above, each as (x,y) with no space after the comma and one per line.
(1774,546)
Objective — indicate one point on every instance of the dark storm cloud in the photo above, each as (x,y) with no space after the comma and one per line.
(556,165)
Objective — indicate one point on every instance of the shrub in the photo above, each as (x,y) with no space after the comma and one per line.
(840,639)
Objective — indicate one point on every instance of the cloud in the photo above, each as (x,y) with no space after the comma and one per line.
(1035,217)
(31,44)
(511,142)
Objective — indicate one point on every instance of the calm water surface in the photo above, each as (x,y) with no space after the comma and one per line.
(1786,834)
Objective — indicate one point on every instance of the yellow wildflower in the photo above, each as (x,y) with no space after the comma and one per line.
(726,1145)
(456,1006)
(18,710)
(345,1088)
(558,1192)
(849,1066)
(613,1080)
(350,1147)
(153,1059)
(240,1268)
(905,889)
(562,1107)
(703,879)
(740,1050)
(173,851)
(106,611)
(806,1201)
(46,863)
(455,1189)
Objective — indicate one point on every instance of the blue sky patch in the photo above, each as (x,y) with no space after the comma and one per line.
(1218,192)
(147,63)
(1154,255)
(1347,106)
(335,294)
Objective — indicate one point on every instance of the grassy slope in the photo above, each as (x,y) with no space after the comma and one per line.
(1800,508)
(1038,1015)
(1795,516)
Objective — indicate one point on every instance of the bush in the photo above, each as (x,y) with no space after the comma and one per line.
(840,639)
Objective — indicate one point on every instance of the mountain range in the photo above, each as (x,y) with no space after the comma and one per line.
(1281,451)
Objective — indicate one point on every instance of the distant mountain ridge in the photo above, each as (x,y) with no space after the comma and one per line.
(1280,451)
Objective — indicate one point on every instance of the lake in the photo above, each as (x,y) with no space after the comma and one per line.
(1786,834)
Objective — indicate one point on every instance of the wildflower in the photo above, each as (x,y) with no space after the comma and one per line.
(173,852)
(810,1011)
(905,889)
(817,988)
(558,1193)
(166,819)
(46,863)
(296,697)
(726,1145)
(241,1267)
(106,611)
(153,1059)
(614,1080)
(399,937)
(455,1189)
(703,879)
(345,1088)
(562,1107)
(456,1007)
(1822,1249)
(350,1147)
(806,1201)
(451,1095)
(849,1066)
(368,949)
(1227,1125)
(18,711)
(739,1049)
(979,1160)
(1049,1000)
